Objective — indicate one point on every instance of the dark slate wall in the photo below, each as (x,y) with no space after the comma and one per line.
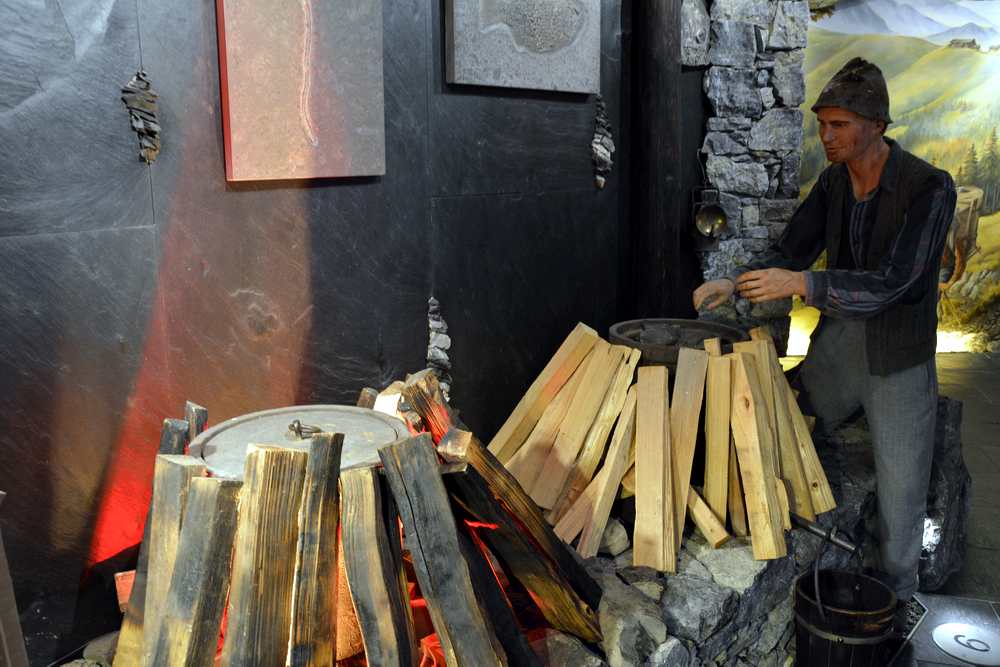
(128,289)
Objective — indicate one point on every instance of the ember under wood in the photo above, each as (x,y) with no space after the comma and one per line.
(411,468)
(12,650)
(174,438)
(189,632)
(264,559)
(370,539)
(314,601)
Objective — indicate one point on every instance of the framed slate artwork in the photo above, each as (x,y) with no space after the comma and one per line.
(302,93)
(536,44)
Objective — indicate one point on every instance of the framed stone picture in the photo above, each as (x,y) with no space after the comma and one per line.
(535,44)
(302,93)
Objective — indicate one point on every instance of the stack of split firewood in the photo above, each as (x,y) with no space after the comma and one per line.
(592,427)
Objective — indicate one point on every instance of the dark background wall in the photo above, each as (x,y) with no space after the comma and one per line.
(127,289)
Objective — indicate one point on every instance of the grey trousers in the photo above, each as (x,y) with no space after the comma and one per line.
(901,409)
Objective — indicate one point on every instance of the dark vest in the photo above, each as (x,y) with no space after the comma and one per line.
(905,334)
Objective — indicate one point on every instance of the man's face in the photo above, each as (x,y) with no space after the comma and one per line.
(846,135)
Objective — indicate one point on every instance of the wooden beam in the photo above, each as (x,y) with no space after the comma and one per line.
(370,536)
(718,408)
(735,503)
(653,541)
(685,413)
(713,346)
(189,632)
(819,487)
(523,541)
(12,649)
(706,520)
(367,397)
(171,480)
(260,599)
(596,442)
(582,413)
(197,418)
(174,438)
(313,641)
(758,350)
(526,464)
(542,391)
(754,446)
(411,468)
(617,460)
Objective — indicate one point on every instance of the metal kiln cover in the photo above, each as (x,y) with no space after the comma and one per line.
(224,446)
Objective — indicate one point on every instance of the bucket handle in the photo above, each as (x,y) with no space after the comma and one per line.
(828,539)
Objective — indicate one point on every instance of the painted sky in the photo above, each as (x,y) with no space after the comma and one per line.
(937,21)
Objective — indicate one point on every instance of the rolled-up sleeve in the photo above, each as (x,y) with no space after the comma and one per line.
(856,294)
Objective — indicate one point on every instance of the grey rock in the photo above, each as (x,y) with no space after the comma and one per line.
(756,232)
(767,97)
(773,178)
(695,608)
(733,44)
(745,178)
(733,209)
(777,210)
(763,76)
(772,310)
(757,245)
(790,164)
(651,589)
(778,129)
(790,25)
(559,648)
(724,143)
(632,574)
(948,501)
(694,33)
(729,124)
(624,559)
(631,624)
(789,79)
(732,92)
(757,12)
(102,649)
(614,540)
(671,653)
(440,340)
(751,214)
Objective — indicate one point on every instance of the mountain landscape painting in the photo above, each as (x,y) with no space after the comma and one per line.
(941,59)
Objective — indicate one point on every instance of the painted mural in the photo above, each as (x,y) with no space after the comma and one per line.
(941,59)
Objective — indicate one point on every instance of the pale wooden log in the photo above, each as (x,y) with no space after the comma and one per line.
(761,358)
(735,502)
(12,648)
(189,634)
(529,409)
(718,408)
(171,480)
(574,521)
(313,641)
(576,425)
(781,491)
(685,411)
(411,468)
(595,445)
(653,541)
(819,487)
(174,439)
(754,445)
(706,520)
(616,462)
(526,464)
(628,482)
(260,600)
(370,537)
(713,346)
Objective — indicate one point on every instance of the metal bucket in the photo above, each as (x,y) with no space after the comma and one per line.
(847,624)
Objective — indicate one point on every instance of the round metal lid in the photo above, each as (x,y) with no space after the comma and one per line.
(223,447)
(970,643)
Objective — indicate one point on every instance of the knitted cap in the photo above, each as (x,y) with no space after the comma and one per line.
(859,87)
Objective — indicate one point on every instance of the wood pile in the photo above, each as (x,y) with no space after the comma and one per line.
(255,562)
(594,426)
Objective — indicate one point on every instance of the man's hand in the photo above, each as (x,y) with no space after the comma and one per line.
(771,284)
(714,292)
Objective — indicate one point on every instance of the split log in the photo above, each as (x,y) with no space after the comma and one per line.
(754,447)
(411,468)
(582,413)
(735,502)
(197,418)
(171,481)
(653,541)
(763,381)
(706,520)
(314,601)
(718,406)
(260,599)
(685,411)
(617,461)
(189,632)
(529,409)
(596,441)
(367,398)
(526,464)
(372,559)
(12,649)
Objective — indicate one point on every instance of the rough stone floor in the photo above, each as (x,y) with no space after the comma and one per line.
(974,379)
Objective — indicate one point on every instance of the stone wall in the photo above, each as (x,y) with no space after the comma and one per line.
(753,53)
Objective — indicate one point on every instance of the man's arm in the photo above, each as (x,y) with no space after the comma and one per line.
(859,294)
